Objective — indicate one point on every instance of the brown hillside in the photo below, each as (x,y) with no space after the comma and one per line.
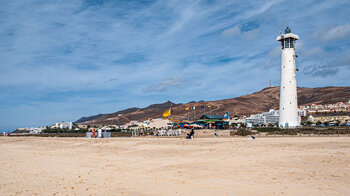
(257,102)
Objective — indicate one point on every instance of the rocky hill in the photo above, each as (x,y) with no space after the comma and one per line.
(257,102)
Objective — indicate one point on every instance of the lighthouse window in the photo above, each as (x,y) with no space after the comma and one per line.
(292,43)
(282,44)
(286,44)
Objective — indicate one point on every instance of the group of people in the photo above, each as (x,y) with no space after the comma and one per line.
(190,135)
(98,134)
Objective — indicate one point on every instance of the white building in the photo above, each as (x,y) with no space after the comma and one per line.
(33,130)
(288,88)
(63,125)
(301,113)
(36,129)
(270,117)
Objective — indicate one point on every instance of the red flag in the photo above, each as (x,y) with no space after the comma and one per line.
(171,110)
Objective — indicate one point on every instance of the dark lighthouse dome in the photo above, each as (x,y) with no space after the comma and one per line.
(287,30)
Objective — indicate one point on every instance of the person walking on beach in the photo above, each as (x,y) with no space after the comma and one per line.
(190,135)
(93,133)
(99,133)
(215,134)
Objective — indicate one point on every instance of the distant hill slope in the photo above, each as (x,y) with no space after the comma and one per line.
(257,102)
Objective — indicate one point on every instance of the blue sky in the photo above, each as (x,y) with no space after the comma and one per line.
(61,60)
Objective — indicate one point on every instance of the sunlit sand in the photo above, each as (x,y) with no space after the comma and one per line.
(171,166)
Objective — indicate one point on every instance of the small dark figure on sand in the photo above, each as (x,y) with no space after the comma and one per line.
(190,135)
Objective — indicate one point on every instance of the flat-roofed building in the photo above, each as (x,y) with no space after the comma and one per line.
(63,125)
(322,119)
(270,117)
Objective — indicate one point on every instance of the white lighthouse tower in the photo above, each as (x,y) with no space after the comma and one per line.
(288,112)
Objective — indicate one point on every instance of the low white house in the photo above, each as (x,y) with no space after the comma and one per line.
(33,130)
(63,125)
(36,129)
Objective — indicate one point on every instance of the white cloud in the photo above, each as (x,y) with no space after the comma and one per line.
(174,81)
(276,51)
(336,33)
(316,51)
(232,32)
(237,32)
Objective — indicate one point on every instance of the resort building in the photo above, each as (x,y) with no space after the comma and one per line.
(323,119)
(270,117)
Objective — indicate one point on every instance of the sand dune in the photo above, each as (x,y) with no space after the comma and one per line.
(168,166)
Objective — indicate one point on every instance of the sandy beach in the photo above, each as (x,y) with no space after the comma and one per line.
(171,166)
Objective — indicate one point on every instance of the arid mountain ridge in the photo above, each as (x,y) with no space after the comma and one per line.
(261,101)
